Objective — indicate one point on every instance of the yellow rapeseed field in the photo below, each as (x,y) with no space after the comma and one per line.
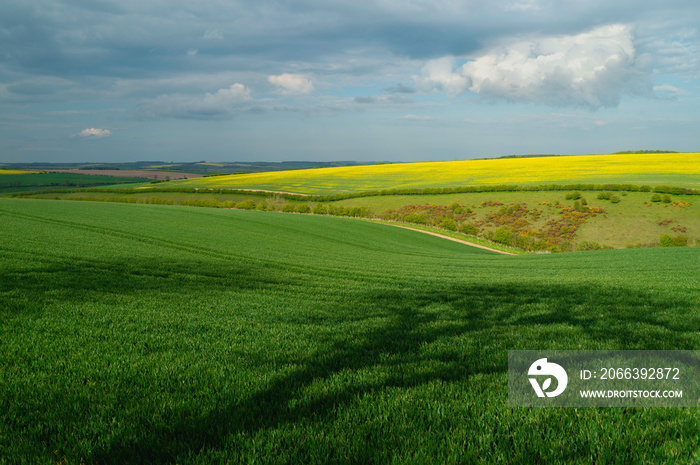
(677,169)
(16,172)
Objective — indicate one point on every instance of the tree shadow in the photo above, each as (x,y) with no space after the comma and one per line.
(416,317)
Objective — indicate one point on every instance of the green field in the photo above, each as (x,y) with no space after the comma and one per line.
(162,334)
(27,182)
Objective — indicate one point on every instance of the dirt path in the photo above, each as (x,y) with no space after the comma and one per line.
(451,238)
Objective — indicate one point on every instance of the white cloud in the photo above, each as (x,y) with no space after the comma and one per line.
(293,83)
(416,118)
(587,70)
(221,104)
(95,132)
(438,74)
(668,89)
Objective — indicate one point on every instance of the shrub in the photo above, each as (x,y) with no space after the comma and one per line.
(666,240)
(468,228)
(666,199)
(588,245)
(448,223)
(415,218)
(501,235)
(320,209)
(262,206)
(246,205)
(303,208)
(288,207)
(575,195)
(655,198)
(604,196)
(614,199)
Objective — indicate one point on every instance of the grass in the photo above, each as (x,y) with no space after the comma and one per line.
(677,169)
(145,333)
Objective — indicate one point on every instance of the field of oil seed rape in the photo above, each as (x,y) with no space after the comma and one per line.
(677,169)
(12,172)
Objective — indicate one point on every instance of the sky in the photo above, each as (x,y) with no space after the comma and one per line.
(331,80)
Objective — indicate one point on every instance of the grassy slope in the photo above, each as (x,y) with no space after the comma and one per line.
(625,223)
(148,333)
(651,169)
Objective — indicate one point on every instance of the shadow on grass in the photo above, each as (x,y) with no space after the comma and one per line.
(495,317)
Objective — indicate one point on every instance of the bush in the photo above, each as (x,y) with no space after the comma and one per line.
(501,235)
(655,198)
(614,199)
(320,209)
(415,218)
(575,195)
(604,195)
(448,223)
(666,199)
(666,240)
(246,205)
(467,228)
(303,208)
(288,207)
(588,245)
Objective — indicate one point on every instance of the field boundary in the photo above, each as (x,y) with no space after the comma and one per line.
(660,189)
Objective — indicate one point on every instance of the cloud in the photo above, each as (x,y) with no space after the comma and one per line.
(438,74)
(95,133)
(221,104)
(212,34)
(292,83)
(383,99)
(590,70)
(416,118)
(400,89)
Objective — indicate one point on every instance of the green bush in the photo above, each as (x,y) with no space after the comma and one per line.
(588,245)
(448,223)
(246,204)
(501,235)
(614,199)
(604,195)
(320,209)
(468,228)
(575,195)
(288,207)
(303,208)
(666,199)
(415,218)
(666,240)
(655,198)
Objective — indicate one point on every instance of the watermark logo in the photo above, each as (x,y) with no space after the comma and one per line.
(542,367)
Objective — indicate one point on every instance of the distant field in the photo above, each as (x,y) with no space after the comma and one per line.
(6,172)
(677,169)
(132,173)
(155,334)
(34,181)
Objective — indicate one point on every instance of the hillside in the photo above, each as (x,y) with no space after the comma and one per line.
(676,169)
(148,333)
